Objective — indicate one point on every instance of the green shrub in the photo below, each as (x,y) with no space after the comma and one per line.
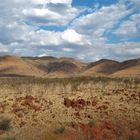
(4,124)
(91,123)
(10,138)
(59,130)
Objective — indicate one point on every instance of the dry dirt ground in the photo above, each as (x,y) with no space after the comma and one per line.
(84,108)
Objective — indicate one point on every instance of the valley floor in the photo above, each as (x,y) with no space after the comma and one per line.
(81,108)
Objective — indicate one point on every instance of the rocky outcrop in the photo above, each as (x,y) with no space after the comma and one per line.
(76,103)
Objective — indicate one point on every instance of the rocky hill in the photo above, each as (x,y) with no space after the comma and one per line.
(49,66)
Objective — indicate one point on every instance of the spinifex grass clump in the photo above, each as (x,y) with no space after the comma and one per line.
(59,130)
(9,138)
(4,124)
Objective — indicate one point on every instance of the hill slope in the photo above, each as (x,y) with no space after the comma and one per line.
(12,65)
(49,66)
(57,67)
(128,68)
(101,67)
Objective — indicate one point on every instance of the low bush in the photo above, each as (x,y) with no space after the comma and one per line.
(59,130)
(10,138)
(4,124)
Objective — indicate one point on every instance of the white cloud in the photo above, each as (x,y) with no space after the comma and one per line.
(61,1)
(84,38)
(101,19)
(3,48)
(68,50)
(51,1)
(71,36)
(130,28)
(94,25)
(50,12)
(136,2)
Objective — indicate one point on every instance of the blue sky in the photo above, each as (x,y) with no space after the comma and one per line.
(88,30)
(91,3)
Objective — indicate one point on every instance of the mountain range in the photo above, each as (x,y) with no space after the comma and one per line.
(51,67)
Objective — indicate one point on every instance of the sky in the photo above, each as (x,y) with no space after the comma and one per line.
(88,30)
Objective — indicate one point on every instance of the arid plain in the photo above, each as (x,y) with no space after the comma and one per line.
(52,98)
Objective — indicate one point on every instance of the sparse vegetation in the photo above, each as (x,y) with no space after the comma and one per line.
(86,107)
(74,81)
